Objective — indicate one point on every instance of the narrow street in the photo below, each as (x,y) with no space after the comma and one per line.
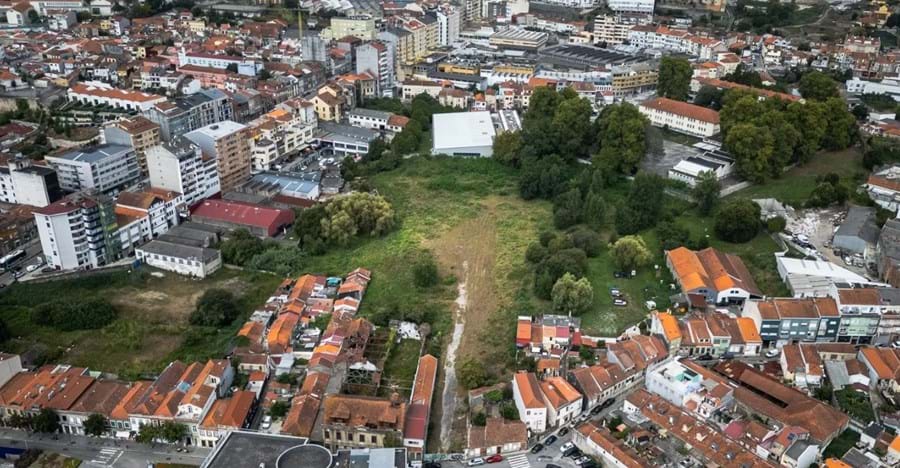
(96,452)
(449,398)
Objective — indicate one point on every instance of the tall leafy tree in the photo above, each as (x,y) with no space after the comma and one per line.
(752,148)
(706,192)
(841,129)
(572,127)
(507,148)
(46,421)
(674,78)
(621,132)
(630,253)
(572,296)
(818,86)
(95,425)
(737,220)
(811,121)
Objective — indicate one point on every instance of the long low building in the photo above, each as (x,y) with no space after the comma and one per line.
(681,117)
(98,94)
(187,260)
(261,221)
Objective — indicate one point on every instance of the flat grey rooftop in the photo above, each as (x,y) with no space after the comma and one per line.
(244,449)
(93,154)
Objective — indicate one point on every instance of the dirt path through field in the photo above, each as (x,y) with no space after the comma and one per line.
(448,398)
(468,251)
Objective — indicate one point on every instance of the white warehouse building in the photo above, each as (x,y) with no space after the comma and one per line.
(463,134)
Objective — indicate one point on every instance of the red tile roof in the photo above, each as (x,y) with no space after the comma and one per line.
(683,109)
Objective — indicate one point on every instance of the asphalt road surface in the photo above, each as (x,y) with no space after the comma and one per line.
(99,453)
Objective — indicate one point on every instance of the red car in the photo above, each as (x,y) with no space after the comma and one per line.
(494,459)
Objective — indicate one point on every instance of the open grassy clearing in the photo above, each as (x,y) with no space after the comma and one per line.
(152,327)
(796,184)
(400,367)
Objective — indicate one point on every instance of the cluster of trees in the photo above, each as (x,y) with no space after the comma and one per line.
(87,314)
(168,431)
(765,136)
(215,308)
(556,254)
(241,247)
(342,219)
(643,204)
(630,253)
(762,20)
(583,203)
(880,151)
(557,130)
(421,109)
(737,220)
(828,191)
(572,296)
(674,80)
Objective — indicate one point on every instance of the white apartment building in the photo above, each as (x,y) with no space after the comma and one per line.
(75,232)
(42,6)
(449,18)
(142,216)
(562,399)
(385,122)
(377,59)
(674,40)
(681,117)
(280,133)
(631,6)
(244,66)
(613,29)
(104,168)
(574,3)
(21,182)
(179,166)
(530,402)
(889,87)
(96,93)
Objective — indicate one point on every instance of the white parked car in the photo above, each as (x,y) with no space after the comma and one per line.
(566,446)
(475,462)
(266,422)
(772,353)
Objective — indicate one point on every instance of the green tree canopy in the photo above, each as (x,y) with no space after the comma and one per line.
(95,425)
(46,421)
(471,373)
(631,253)
(706,192)
(572,296)
(674,78)
(817,86)
(737,220)
(215,308)
(572,128)
(621,132)
(507,148)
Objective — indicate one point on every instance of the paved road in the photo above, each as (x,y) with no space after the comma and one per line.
(32,250)
(102,452)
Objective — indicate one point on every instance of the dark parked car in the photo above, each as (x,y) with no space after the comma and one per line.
(537,448)
(563,431)
(551,465)
(550,440)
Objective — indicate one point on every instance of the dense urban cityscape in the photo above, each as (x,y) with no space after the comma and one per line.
(520,233)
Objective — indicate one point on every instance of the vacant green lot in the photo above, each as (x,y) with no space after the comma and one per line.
(796,184)
(400,368)
(839,446)
(152,327)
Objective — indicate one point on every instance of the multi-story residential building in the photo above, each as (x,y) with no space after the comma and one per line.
(688,385)
(883,366)
(801,365)
(54,387)
(24,183)
(402,43)
(883,187)
(228,143)
(78,231)
(188,113)
(861,310)
(97,93)
(562,399)
(386,123)
(783,320)
(631,6)
(226,414)
(331,102)
(711,276)
(597,441)
(529,400)
(361,27)
(100,397)
(43,6)
(280,133)
(681,117)
(448,17)
(353,421)
(104,168)
(183,393)
(377,59)
(142,216)
(244,66)
(633,79)
(137,132)
(180,166)
(612,30)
